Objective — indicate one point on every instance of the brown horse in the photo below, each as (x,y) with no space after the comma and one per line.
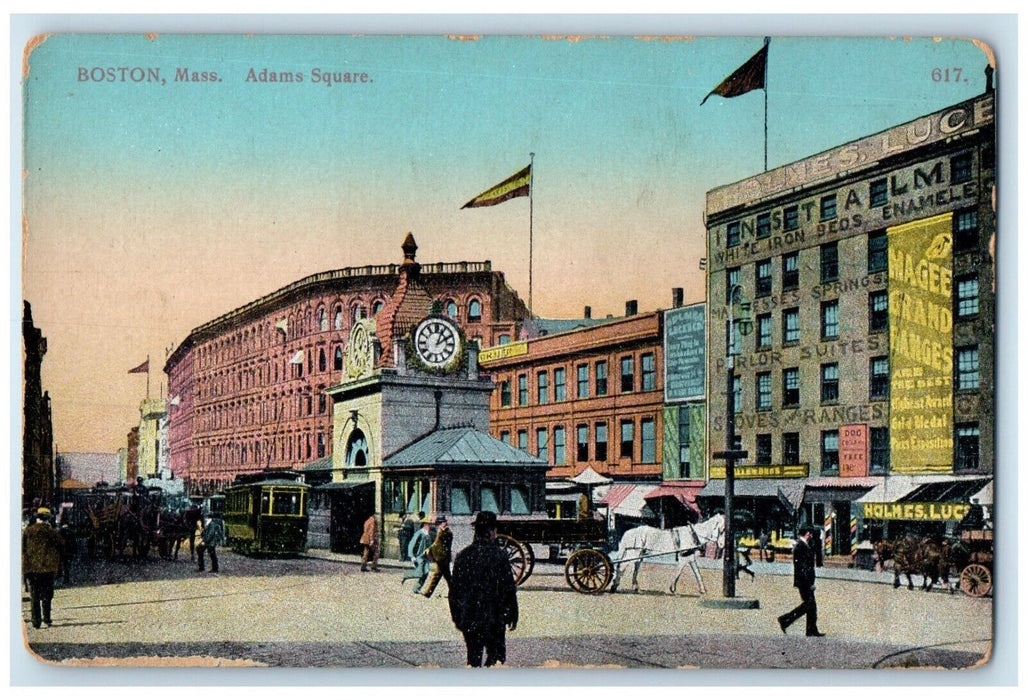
(190,517)
(926,557)
(171,533)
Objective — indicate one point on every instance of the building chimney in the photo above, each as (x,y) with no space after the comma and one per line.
(989,70)
(631,307)
(588,312)
(677,297)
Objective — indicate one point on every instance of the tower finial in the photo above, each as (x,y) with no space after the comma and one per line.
(410,248)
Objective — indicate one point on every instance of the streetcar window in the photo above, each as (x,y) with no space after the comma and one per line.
(265,502)
(285,503)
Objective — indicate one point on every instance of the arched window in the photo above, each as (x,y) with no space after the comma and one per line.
(339,317)
(337,362)
(451,308)
(376,306)
(322,362)
(474,310)
(357,449)
(356,313)
(323,319)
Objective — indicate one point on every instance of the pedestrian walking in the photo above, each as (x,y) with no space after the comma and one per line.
(418,551)
(41,548)
(484,597)
(369,541)
(408,526)
(439,553)
(212,536)
(762,542)
(803,560)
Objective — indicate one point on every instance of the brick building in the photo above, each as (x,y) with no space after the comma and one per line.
(871,275)
(247,389)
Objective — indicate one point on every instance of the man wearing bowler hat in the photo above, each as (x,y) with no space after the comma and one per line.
(483,597)
(803,560)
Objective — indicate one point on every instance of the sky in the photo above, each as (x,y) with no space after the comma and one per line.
(152,208)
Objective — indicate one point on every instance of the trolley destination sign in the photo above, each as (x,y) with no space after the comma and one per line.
(928,511)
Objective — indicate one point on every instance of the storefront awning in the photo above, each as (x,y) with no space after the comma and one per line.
(948,491)
(901,487)
(825,489)
(683,493)
(590,477)
(788,491)
(983,497)
(628,500)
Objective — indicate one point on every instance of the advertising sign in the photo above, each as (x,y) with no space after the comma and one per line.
(853,450)
(684,353)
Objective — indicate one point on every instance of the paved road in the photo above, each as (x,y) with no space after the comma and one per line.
(321,611)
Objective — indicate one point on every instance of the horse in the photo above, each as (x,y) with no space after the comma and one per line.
(190,517)
(925,557)
(684,542)
(171,533)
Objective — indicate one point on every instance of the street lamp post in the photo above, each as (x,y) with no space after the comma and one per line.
(730,454)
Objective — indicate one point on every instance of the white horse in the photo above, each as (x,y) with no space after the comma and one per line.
(684,542)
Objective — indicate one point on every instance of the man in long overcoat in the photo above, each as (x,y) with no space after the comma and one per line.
(483,596)
(41,547)
(418,551)
(803,560)
(369,541)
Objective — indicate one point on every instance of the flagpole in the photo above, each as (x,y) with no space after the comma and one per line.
(531,186)
(767,42)
(148,376)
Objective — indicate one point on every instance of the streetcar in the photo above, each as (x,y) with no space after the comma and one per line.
(267,517)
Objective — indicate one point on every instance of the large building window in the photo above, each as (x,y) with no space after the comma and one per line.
(600,442)
(967,368)
(830,319)
(522,390)
(829,262)
(627,439)
(879,378)
(828,207)
(627,374)
(791,386)
(648,435)
(830,383)
(731,282)
(790,326)
(559,385)
(790,271)
(966,447)
(967,296)
(763,280)
(879,450)
(763,391)
(733,234)
(559,445)
(763,457)
(764,225)
(601,378)
(523,440)
(960,168)
(649,372)
(829,451)
(542,388)
(505,395)
(474,311)
(582,445)
(791,218)
(790,448)
(965,230)
(764,331)
(583,381)
(878,311)
(878,192)
(541,448)
(878,252)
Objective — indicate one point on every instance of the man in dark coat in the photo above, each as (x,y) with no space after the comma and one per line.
(41,547)
(483,597)
(803,560)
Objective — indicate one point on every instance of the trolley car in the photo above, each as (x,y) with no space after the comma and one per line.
(267,517)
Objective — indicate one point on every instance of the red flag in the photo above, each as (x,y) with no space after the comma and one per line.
(748,76)
(141,369)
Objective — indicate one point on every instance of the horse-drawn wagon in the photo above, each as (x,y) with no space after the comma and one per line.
(976,576)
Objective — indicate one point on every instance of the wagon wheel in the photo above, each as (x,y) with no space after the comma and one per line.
(588,571)
(976,580)
(517,556)
(530,563)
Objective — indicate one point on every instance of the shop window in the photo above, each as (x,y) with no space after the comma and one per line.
(790,271)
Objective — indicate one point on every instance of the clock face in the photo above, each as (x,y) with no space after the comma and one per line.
(358,351)
(437,342)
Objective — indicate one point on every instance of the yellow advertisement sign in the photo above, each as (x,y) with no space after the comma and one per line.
(915,511)
(770,471)
(921,345)
(501,351)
